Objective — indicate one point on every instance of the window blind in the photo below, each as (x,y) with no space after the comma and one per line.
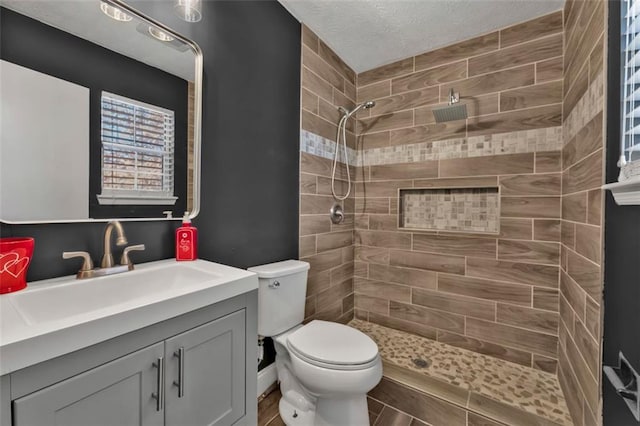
(137,149)
(630,25)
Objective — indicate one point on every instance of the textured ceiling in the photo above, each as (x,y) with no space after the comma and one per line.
(370,33)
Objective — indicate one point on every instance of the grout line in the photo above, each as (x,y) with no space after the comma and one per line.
(584,325)
(586,364)
(304,67)
(460,80)
(583,257)
(328,64)
(569,327)
(583,35)
(472,56)
(577,162)
(582,191)
(572,84)
(599,304)
(532,296)
(454,82)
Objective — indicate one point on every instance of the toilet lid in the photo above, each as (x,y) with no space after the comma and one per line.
(333,343)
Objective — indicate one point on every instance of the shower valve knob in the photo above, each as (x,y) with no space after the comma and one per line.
(336,213)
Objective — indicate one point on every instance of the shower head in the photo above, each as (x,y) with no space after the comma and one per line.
(453,111)
(450,113)
(363,105)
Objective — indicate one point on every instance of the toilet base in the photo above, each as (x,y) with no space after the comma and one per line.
(344,410)
(292,416)
(329,412)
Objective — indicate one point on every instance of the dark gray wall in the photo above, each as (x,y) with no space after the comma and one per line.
(622,251)
(250,146)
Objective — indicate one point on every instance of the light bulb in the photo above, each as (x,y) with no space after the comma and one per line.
(159,34)
(114,13)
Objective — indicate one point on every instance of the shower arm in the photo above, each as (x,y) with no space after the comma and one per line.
(454,97)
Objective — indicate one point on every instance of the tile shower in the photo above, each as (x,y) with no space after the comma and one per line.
(484,290)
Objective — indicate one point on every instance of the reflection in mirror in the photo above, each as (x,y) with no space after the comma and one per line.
(99,112)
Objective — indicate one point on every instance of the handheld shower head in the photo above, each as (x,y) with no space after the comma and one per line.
(363,105)
(342,133)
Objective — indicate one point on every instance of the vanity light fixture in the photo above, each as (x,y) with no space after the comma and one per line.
(189,10)
(114,13)
(159,34)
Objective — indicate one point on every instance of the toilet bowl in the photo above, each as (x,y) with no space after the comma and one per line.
(325,369)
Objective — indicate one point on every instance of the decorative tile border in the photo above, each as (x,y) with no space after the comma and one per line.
(591,103)
(536,140)
(461,210)
(548,139)
(323,147)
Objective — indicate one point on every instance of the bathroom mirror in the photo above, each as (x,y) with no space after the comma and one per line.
(100,114)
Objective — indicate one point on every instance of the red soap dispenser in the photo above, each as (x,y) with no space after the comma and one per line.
(186,240)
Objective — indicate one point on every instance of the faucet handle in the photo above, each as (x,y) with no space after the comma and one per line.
(87,265)
(124,260)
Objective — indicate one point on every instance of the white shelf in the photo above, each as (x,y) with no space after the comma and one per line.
(625,193)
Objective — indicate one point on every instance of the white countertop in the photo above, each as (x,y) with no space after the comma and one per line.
(27,339)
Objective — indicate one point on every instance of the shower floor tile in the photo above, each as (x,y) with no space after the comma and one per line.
(479,376)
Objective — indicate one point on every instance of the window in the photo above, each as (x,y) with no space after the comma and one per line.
(137,152)
(630,62)
(625,23)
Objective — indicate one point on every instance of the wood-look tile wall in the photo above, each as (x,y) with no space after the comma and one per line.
(581,281)
(327,83)
(510,80)
(496,294)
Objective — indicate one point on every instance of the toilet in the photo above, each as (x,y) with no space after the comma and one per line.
(325,369)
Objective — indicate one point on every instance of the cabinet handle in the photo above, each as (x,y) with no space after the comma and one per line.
(180,382)
(159,396)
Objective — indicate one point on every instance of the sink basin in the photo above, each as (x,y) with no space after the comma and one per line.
(68,299)
(61,315)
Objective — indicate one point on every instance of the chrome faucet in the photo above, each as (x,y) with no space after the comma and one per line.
(107,257)
(107,266)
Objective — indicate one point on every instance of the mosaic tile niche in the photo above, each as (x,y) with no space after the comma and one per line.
(459,210)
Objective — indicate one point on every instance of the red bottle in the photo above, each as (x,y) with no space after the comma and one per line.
(186,240)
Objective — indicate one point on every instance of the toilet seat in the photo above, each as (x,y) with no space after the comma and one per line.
(333,346)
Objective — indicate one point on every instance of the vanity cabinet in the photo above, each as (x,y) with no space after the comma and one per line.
(202,372)
(117,393)
(211,359)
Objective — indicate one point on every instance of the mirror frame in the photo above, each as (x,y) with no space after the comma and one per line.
(197,128)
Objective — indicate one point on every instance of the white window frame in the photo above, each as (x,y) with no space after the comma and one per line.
(111,196)
(629,162)
(627,190)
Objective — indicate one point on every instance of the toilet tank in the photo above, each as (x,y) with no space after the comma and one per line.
(281,295)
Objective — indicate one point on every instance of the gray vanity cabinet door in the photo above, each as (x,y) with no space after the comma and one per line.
(213,380)
(117,393)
